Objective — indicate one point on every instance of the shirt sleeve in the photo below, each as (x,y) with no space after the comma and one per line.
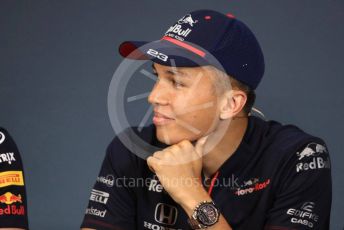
(303,200)
(13,205)
(112,202)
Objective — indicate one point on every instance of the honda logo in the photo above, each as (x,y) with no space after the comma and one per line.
(166,214)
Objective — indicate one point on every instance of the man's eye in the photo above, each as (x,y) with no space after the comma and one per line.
(177,84)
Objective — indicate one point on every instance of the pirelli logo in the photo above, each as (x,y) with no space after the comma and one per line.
(11,178)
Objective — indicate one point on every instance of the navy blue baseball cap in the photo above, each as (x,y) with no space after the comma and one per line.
(205,37)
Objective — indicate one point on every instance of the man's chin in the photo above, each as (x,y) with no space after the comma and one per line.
(166,139)
(169,138)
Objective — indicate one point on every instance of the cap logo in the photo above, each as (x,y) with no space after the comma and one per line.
(188,20)
(158,55)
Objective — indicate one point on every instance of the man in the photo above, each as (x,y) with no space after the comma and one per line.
(13,209)
(208,66)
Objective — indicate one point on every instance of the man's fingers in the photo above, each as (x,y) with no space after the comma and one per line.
(151,162)
(158,154)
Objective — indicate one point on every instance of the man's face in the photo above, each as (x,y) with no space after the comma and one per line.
(185,103)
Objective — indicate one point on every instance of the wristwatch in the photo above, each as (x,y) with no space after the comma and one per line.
(205,214)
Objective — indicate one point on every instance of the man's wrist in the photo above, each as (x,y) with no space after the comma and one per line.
(189,204)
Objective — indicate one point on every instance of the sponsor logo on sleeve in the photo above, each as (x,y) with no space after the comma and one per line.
(313,157)
(108,180)
(99,196)
(13,205)
(11,178)
(13,210)
(10,198)
(95,212)
(304,215)
(2,137)
(312,149)
(251,186)
(7,157)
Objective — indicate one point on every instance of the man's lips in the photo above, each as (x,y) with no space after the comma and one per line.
(161,119)
(159,114)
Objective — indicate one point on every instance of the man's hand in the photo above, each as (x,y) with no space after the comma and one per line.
(178,168)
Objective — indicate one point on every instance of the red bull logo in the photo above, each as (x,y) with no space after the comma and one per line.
(13,210)
(312,149)
(10,198)
(188,20)
(178,30)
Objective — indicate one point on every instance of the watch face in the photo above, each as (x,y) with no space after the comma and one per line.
(208,214)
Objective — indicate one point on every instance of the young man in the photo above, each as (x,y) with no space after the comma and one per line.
(208,66)
(13,209)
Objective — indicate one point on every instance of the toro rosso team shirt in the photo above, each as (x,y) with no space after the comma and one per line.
(13,211)
(278,178)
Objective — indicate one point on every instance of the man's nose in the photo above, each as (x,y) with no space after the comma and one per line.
(158,95)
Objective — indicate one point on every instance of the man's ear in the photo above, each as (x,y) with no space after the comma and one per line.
(232,103)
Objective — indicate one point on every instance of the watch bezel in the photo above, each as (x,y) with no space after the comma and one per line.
(196,216)
(203,215)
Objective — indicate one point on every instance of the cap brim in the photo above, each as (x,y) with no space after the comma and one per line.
(162,52)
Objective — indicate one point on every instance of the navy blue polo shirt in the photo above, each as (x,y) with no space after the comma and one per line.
(278,178)
(13,208)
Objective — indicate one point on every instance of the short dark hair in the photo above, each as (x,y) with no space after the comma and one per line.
(251,95)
